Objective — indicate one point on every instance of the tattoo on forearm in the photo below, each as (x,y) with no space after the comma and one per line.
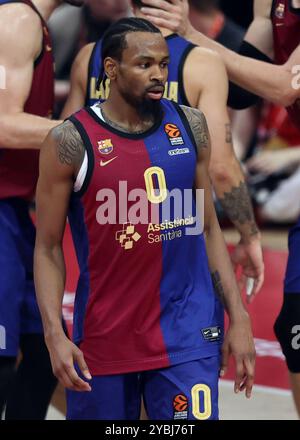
(228,134)
(217,283)
(238,207)
(70,148)
(198,124)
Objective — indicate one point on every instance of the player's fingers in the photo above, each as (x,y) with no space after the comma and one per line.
(239,374)
(259,281)
(64,379)
(82,365)
(157,13)
(159,22)
(224,360)
(159,4)
(250,370)
(78,383)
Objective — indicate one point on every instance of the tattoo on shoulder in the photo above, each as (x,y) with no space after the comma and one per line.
(198,124)
(70,148)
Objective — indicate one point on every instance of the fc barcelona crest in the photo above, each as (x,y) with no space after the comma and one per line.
(105,146)
(280,10)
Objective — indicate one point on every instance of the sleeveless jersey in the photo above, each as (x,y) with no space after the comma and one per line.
(286,34)
(179,49)
(144,298)
(19,168)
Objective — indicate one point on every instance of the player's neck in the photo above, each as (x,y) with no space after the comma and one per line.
(46,7)
(121,115)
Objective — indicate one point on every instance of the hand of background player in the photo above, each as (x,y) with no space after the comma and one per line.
(239,343)
(63,354)
(269,162)
(173,16)
(249,256)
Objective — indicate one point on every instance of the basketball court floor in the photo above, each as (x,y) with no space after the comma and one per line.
(272,399)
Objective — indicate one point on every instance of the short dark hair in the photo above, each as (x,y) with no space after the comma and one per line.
(204,5)
(114,39)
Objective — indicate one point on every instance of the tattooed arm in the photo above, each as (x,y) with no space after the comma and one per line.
(230,187)
(61,156)
(238,340)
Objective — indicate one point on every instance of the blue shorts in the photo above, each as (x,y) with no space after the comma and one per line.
(19,312)
(292,275)
(185,391)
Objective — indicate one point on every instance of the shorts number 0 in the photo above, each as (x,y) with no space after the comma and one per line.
(196,390)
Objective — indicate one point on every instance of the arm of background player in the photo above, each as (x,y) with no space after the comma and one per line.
(79,79)
(61,154)
(269,81)
(224,168)
(238,340)
(20,45)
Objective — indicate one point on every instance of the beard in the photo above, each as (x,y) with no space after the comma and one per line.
(147,108)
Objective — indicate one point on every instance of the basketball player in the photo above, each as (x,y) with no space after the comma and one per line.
(197,78)
(275,32)
(26,102)
(146,315)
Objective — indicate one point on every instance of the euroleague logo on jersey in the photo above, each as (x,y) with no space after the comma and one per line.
(180,405)
(174,134)
(172,130)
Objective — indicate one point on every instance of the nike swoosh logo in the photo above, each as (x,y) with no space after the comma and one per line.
(103,164)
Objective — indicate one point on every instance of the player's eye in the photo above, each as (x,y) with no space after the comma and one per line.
(164,64)
(145,65)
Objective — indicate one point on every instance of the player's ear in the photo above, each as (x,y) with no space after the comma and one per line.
(110,68)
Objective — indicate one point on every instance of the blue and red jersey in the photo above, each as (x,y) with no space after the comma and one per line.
(145,298)
(179,49)
(19,168)
(286,34)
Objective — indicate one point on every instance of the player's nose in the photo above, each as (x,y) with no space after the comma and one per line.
(157,74)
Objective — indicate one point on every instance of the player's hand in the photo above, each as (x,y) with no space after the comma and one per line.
(63,354)
(269,162)
(173,15)
(249,256)
(239,343)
